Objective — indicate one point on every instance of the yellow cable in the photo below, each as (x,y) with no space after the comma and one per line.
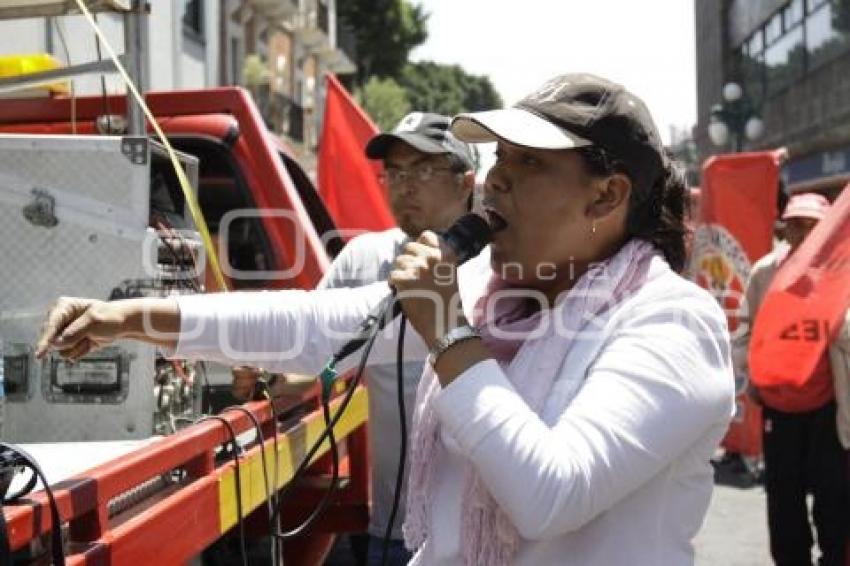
(194,209)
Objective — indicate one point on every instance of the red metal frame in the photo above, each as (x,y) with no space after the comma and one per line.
(180,524)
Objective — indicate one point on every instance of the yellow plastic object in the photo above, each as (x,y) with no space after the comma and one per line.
(17,65)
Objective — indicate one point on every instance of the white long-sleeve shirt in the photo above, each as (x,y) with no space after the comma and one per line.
(617,474)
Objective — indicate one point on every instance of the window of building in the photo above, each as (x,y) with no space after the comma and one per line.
(773,29)
(753,76)
(235,61)
(792,14)
(811,5)
(193,18)
(785,61)
(799,38)
(827,32)
(756,43)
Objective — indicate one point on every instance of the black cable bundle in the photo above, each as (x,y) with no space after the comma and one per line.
(327,434)
(14,459)
(402,455)
(235,449)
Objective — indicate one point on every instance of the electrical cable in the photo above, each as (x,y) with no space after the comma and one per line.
(330,492)
(402,457)
(264,387)
(262,442)
(238,479)
(185,186)
(330,423)
(178,261)
(327,434)
(307,460)
(467,237)
(14,456)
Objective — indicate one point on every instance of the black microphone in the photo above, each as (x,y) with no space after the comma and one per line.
(466,237)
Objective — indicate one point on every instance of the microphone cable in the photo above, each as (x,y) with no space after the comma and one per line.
(263,388)
(332,488)
(238,482)
(326,377)
(402,457)
(271,494)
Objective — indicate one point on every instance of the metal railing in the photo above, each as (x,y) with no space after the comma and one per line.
(201,506)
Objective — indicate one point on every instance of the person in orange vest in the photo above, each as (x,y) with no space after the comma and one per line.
(802,450)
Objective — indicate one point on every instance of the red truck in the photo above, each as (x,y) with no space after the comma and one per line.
(284,238)
(242,166)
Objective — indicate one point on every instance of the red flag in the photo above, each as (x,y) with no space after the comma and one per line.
(348,181)
(737,213)
(805,304)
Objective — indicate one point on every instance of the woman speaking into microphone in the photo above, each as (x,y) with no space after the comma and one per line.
(576,386)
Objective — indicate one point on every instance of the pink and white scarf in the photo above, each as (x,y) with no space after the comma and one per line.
(487,533)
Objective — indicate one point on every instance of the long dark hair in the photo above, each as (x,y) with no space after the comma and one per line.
(656,213)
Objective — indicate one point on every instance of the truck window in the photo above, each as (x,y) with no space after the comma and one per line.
(319,216)
(222,188)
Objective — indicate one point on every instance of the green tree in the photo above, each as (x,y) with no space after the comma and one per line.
(384,101)
(386,31)
(447,89)
(255,71)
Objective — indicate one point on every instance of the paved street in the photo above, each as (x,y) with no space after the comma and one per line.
(734,534)
(735,531)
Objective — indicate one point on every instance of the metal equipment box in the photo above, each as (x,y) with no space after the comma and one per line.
(74,215)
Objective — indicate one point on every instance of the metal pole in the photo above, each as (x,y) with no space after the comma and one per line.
(28,80)
(135,44)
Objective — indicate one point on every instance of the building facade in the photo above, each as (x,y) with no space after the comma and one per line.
(792,60)
(278,49)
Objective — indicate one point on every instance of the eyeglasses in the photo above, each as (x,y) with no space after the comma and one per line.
(418,173)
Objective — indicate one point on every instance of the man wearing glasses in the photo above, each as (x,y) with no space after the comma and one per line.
(429,177)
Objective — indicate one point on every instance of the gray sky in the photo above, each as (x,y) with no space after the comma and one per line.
(646,45)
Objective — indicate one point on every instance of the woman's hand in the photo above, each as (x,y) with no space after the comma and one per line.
(425,279)
(75,327)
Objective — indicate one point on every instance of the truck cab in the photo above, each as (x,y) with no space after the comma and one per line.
(266,221)
(282,238)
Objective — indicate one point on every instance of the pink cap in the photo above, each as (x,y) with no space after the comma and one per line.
(806,205)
